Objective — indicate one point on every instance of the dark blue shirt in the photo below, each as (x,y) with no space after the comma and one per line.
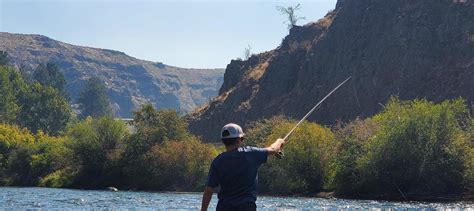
(236,173)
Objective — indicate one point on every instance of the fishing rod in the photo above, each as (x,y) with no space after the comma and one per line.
(280,153)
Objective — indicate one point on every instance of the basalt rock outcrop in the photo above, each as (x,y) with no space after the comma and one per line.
(411,49)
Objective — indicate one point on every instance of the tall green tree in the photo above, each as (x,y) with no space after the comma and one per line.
(43,108)
(93,100)
(156,126)
(4,60)
(8,105)
(49,75)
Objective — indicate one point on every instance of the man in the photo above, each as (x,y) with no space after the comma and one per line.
(235,171)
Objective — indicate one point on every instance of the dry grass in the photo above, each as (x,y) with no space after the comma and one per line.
(257,72)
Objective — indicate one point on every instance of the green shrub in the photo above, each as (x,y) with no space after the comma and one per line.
(25,157)
(58,179)
(418,148)
(353,136)
(13,142)
(97,147)
(153,128)
(469,159)
(179,165)
(308,165)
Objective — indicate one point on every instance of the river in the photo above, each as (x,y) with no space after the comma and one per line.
(51,198)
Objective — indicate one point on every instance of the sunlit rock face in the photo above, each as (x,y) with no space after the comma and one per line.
(410,49)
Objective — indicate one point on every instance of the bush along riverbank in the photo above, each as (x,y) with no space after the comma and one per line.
(410,150)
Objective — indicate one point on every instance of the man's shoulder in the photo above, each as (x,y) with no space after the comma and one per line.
(220,157)
(237,153)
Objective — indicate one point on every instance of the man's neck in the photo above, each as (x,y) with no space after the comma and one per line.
(229,148)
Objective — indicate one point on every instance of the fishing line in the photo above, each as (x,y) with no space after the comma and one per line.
(280,154)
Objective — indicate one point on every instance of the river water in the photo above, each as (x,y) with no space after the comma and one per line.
(51,198)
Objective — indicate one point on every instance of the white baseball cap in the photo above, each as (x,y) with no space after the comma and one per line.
(232,130)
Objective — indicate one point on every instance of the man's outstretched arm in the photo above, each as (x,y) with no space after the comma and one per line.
(276,146)
(206,197)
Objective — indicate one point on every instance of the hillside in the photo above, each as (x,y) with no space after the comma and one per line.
(413,49)
(130,81)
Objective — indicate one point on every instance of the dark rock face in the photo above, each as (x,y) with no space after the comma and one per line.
(340,3)
(130,81)
(412,49)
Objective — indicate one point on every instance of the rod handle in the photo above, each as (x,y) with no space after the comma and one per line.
(280,154)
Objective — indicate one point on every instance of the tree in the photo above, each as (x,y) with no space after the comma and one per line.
(93,100)
(50,75)
(96,147)
(290,13)
(8,105)
(31,105)
(153,128)
(43,108)
(248,52)
(4,60)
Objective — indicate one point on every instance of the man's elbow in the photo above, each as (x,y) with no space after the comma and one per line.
(208,190)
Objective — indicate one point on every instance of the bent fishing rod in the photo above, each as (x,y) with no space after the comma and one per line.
(280,154)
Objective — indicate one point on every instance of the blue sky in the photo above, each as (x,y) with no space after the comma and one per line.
(191,33)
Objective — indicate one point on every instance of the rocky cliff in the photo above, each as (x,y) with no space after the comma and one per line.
(130,81)
(413,49)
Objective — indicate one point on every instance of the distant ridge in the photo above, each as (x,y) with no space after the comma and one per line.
(130,81)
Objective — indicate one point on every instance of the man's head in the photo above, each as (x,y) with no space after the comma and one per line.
(231,134)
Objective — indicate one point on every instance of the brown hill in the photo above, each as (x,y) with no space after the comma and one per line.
(413,49)
(130,81)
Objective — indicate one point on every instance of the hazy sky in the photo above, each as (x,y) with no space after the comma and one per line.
(192,33)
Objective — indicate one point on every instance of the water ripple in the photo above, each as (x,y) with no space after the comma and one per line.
(61,199)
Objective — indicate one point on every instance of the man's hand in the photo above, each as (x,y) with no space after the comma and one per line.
(276,146)
(206,197)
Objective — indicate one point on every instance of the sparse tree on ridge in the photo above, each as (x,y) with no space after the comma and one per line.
(248,52)
(290,12)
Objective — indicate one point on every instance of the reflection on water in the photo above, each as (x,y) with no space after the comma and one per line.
(50,198)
